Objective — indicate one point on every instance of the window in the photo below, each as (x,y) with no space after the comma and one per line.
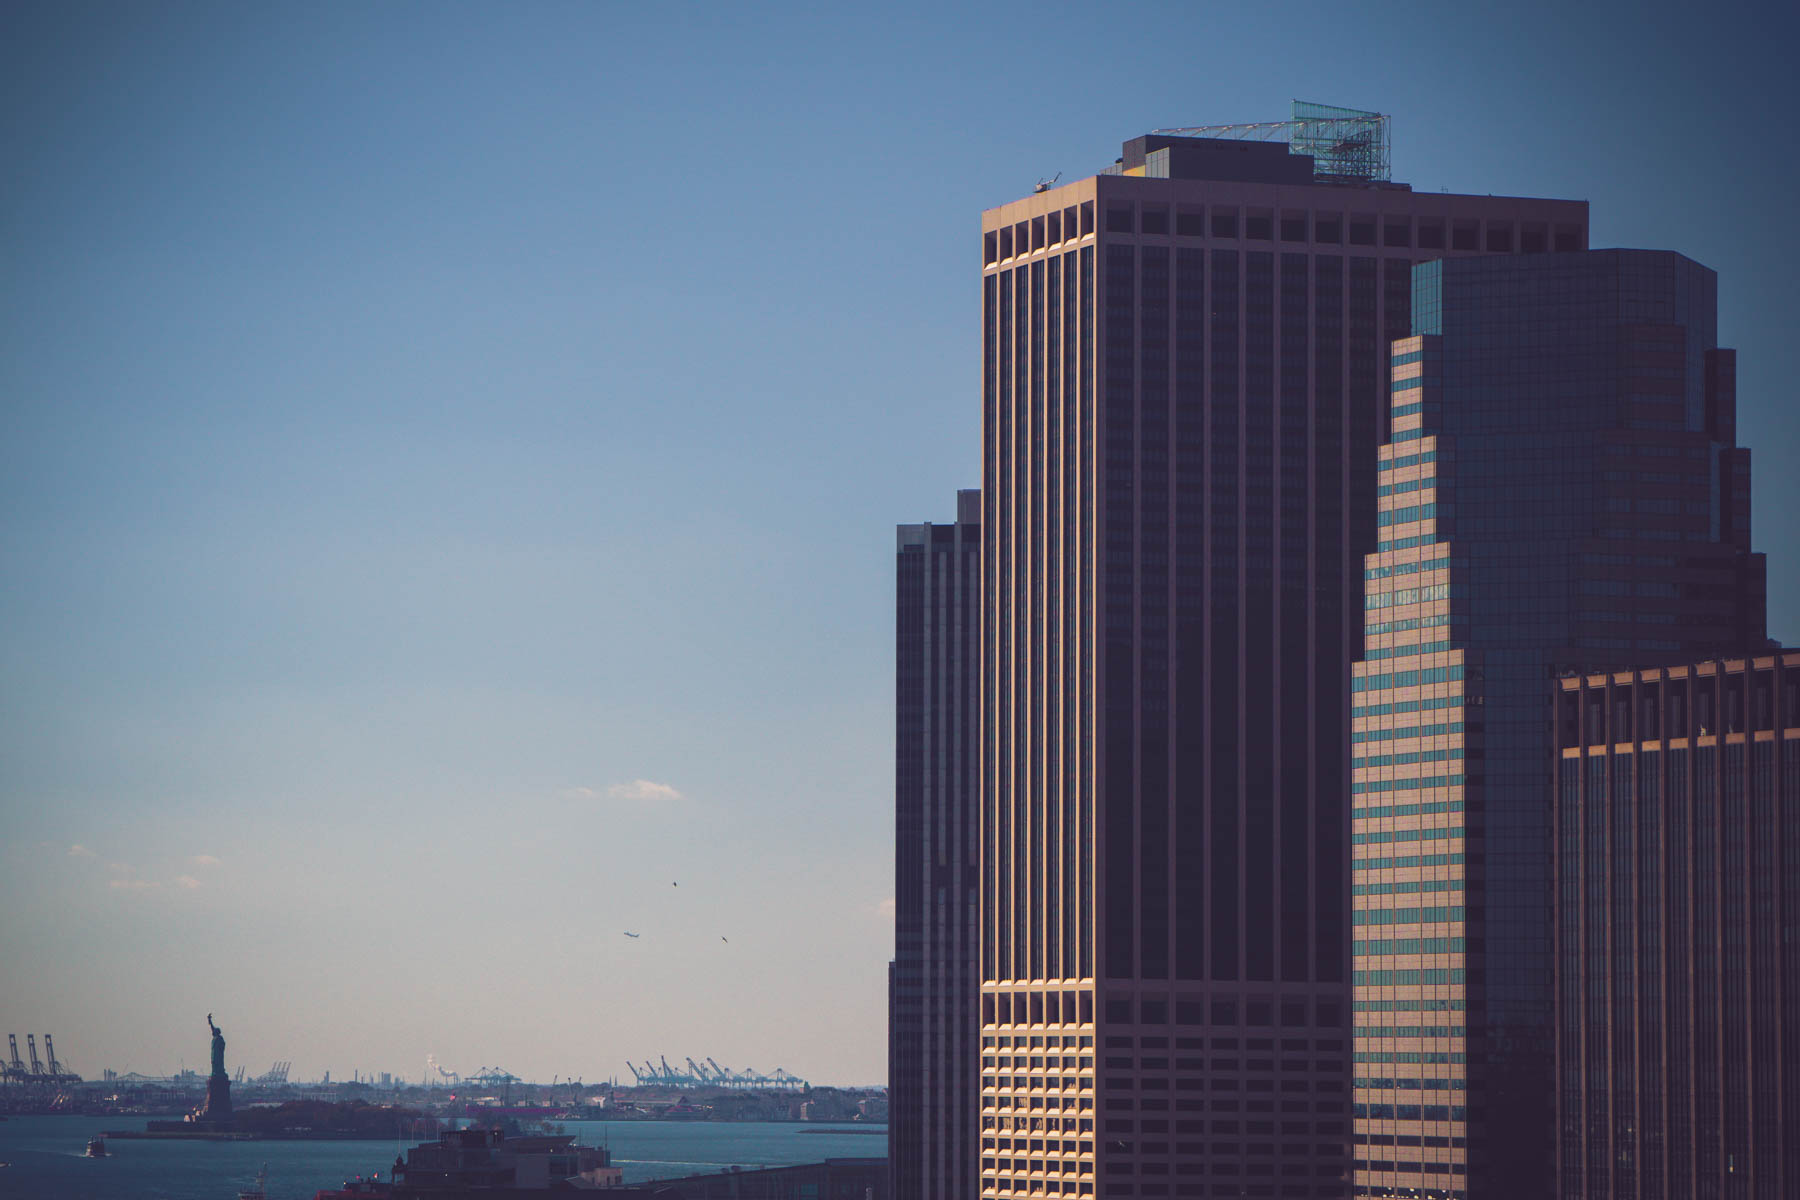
(1153,220)
(1431,235)
(1224,224)
(1328,230)
(1396,233)
(1118,220)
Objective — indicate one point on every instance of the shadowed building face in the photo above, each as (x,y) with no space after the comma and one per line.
(1677,863)
(1185,382)
(933,1080)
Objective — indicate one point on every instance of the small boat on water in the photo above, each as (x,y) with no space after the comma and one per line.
(96,1147)
(261,1190)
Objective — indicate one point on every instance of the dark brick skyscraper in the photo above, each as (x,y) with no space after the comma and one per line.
(933,1080)
(1185,381)
(1678,931)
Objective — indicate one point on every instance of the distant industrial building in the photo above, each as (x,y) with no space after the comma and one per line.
(934,1078)
(1678,906)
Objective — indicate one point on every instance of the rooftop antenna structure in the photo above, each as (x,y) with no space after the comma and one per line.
(1347,145)
(1044,185)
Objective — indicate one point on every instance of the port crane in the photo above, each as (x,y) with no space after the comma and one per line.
(16,1070)
(660,1073)
(275,1075)
(492,1077)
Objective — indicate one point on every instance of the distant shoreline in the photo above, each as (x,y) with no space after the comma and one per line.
(243,1135)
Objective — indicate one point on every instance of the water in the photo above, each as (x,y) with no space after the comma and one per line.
(47,1160)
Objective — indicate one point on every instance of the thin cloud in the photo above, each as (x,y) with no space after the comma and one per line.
(187,881)
(80,851)
(204,860)
(135,885)
(643,790)
(885,908)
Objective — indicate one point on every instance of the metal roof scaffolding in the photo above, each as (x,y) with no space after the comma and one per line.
(1347,145)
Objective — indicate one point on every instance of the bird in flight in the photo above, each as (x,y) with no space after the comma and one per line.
(723,938)
(630,934)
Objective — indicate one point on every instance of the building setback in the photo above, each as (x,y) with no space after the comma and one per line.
(1678,905)
(933,1078)
(1185,377)
(1560,490)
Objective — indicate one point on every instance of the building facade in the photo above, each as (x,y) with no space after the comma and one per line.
(1185,380)
(933,985)
(1677,911)
(1560,489)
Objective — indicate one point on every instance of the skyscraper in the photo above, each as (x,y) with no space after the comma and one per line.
(1185,375)
(1560,490)
(1678,903)
(932,983)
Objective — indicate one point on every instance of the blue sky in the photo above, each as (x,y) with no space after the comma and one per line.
(451,454)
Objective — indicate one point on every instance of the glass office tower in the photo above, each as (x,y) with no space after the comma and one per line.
(1560,490)
(1185,375)
(933,985)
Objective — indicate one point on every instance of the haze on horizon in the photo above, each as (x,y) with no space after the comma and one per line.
(452,455)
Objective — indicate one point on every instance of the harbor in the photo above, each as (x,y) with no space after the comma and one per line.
(46,1156)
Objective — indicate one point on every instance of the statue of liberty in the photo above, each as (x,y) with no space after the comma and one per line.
(218,1048)
(217,1110)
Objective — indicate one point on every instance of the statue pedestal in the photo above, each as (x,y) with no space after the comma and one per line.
(217,1110)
